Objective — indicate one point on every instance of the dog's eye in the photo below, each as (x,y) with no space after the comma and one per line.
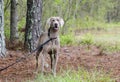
(53,20)
(57,19)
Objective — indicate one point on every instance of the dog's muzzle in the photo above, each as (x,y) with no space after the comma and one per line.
(56,27)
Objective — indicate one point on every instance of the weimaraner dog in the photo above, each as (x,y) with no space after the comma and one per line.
(52,47)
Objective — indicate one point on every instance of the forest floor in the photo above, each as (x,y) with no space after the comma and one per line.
(71,57)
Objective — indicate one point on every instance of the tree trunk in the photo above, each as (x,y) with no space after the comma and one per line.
(13,21)
(33,23)
(2,37)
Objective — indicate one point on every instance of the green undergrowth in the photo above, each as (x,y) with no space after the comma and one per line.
(87,23)
(68,39)
(106,41)
(81,75)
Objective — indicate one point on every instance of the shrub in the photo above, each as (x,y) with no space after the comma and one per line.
(67,39)
(87,39)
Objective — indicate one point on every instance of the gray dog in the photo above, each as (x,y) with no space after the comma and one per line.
(51,48)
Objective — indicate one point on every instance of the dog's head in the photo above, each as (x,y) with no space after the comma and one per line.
(55,23)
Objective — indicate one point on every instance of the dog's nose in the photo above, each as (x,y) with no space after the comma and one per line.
(55,24)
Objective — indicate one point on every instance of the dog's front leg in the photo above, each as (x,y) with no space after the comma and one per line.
(55,60)
(42,62)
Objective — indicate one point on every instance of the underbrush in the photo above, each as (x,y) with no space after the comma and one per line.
(107,42)
(88,23)
(91,32)
(81,75)
(68,39)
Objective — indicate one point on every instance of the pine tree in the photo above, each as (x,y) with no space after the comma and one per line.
(2,37)
(33,23)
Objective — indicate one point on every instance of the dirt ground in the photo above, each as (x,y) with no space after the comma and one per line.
(71,57)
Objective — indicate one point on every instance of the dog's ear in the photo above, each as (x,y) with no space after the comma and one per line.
(61,21)
(48,22)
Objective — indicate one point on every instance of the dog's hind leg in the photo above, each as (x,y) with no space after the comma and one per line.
(42,61)
(37,56)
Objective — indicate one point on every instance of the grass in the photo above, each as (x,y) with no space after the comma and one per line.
(108,40)
(81,75)
(89,23)
(67,39)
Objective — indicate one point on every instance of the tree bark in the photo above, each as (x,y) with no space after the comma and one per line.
(2,37)
(33,23)
(13,21)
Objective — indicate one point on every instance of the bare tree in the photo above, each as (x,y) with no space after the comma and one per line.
(2,38)
(33,23)
(13,21)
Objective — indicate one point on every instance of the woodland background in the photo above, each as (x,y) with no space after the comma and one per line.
(90,40)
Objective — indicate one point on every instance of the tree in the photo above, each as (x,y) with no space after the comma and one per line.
(33,23)
(13,21)
(2,38)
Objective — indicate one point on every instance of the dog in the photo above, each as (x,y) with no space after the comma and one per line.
(52,48)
